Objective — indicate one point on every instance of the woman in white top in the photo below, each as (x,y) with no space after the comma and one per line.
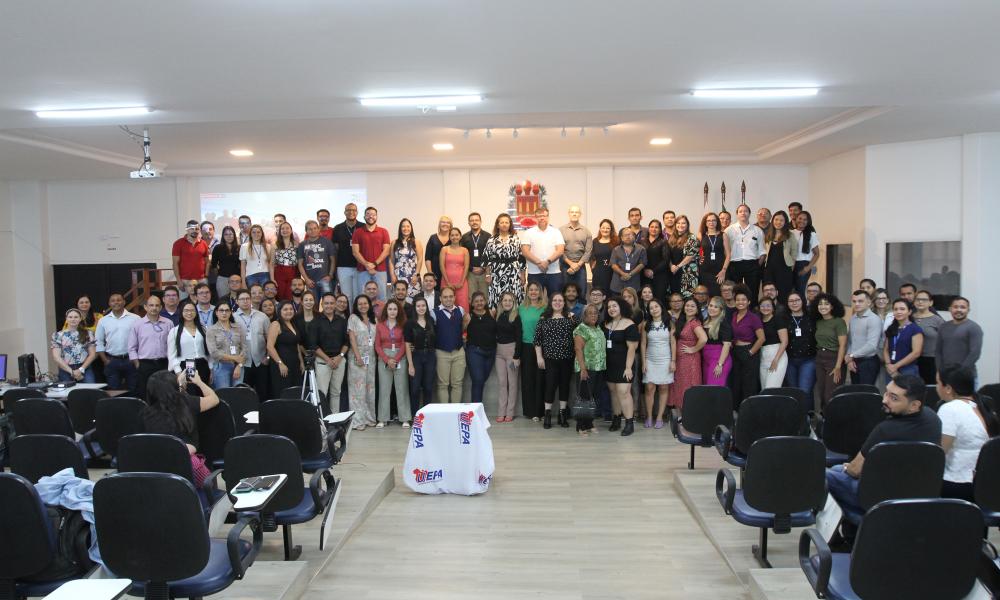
(255,258)
(807,256)
(187,343)
(659,347)
(966,424)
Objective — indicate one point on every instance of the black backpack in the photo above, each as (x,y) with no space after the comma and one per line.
(72,557)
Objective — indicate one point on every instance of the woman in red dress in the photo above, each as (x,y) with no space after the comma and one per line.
(691,338)
(455,268)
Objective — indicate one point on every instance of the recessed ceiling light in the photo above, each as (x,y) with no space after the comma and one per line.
(443,101)
(660,142)
(445,146)
(446,108)
(241,152)
(94,113)
(756,93)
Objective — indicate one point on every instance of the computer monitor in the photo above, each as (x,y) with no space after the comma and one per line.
(3,367)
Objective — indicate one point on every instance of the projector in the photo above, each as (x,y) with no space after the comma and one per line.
(145,171)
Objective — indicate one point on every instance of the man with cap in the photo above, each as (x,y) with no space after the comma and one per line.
(191,255)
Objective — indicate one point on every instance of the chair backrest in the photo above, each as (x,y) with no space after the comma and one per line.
(291,393)
(259,454)
(150,526)
(297,421)
(986,484)
(926,548)
(800,395)
(848,419)
(29,542)
(241,400)
(13,395)
(154,453)
(931,398)
(82,406)
(767,416)
(993,391)
(116,418)
(785,475)
(898,470)
(706,407)
(41,415)
(35,456)
(850,388)
(215,427)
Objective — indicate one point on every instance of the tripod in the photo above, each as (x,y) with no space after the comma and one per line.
(310,392)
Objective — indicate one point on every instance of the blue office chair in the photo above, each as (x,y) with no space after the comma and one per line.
(241,400)
(759,417)
(114,418)
(986,483)
(36,456)
(215,428)
(846,422)
(898,470)
(705,408)
(299,422)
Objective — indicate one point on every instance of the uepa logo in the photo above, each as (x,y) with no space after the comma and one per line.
(465,427)
(485,479)
(428,475)
(418,431)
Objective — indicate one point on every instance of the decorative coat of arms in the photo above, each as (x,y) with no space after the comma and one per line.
(523,199)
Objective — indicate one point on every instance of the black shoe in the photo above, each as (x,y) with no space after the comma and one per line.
(616,423)
(629,427)
(547,421)
(606,418)
(563,419)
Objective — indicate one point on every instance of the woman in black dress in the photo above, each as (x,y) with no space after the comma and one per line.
(712,254)
(623,340)
(600,257)
(283,348)
(656,273)
(782,250)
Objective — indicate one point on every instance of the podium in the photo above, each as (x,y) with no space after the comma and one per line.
(450,451)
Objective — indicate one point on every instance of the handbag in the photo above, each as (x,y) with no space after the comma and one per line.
(199,469)
(584,405)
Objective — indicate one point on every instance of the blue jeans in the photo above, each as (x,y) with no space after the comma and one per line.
(480,362)
(88,375)
(323,287)
(364,277)
(550,282)
(222,375)
(258,279)
(867,370)
(843,488)
(121,374)
(579,278)
(801,373)
(423,380)
(346,277)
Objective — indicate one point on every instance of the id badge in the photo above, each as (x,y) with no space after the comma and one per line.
(364,359)
(892,356)
(232,349)
(711,256)
(393,347)
(475,253)
(609,344)
(248,335)
(628,266)
(798,332)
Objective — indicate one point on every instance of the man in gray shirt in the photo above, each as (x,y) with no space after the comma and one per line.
(863,335)
(256,371)
(579,244)
(960,341)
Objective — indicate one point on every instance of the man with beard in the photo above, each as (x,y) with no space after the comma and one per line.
(298,288)
(960,341)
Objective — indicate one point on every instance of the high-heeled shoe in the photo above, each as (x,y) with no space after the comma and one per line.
(629,428)
(547,422)
(616,423)
(563,418)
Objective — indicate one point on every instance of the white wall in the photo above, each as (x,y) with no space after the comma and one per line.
(837,206)
(11,334)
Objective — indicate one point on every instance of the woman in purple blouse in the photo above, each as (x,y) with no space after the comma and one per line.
(748,337)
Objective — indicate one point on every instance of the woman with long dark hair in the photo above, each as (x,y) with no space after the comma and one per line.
(827,315)
(255,258)
(361,367)
(801,371)
(226,338)
(284,262)
(712,254)
(89,315)
(807,250)
(226,260)
(690,339)
(554,354)
(659,359)
(283,348)
(532,379)
(929,323)
(455,268)
(781,247)
(966,424)
(600,258)
(773,354)
(656,273)
(406,257)
(682,249)
(73,349)
(172,411)
(421,360)
(904,341)
(504,262)
(392,366)
(480,345)
(303,320)
(622,343)
(748,337)
(187,343)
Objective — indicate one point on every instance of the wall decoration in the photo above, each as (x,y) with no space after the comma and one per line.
(523,199)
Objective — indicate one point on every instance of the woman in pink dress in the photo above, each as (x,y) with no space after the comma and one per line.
(691,338)
(455,268)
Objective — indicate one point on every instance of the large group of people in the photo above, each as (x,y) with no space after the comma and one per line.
(666,307)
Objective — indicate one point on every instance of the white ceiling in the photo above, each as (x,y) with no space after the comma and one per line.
(282,78)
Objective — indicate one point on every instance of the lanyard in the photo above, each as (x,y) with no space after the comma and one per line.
(247,321)
(895,339)
(711,240)
(628,255)
(475,239)
(796,321)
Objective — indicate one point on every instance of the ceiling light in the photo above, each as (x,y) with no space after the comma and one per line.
(241,152)
(94,113)
(756,93)
(446,108)
(582,132)
(660,142)
(444,146)
(442,101)
(515,133)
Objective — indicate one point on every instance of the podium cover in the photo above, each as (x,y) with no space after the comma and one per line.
(450,451)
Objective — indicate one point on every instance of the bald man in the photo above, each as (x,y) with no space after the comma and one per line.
(579,244)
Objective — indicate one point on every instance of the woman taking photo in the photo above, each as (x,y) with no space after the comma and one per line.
(827,315)
(966,424)
(554,353)
(781,247)
(658,360)
(683,248)
(748,337)
(392,366)
(591,361)
(361,367)
(532,379)
(172,411)
(73,349)
(904,341)
(773,356)
(187,343)
(283,349)
(225,347)
(715,360)
(621,341)
(807,250)
(455,268)
(801,371)
(255,258)
(406,257)
(421,360)
(655,274)
(480,345)
(600,258)
(712,254)
(508,357)
(691,338)
(627,262)
(284,262)
(929,323)
(504,262)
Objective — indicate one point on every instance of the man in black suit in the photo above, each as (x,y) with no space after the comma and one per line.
(430,292)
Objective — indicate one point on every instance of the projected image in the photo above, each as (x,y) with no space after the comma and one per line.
(298,207)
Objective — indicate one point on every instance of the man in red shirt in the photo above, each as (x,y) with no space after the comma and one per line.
(370,245)
(190,254)
(323,217)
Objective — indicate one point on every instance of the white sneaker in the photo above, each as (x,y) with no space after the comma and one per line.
(406,424)
(379,425)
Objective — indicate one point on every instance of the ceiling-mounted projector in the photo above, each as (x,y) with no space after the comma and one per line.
(147,169)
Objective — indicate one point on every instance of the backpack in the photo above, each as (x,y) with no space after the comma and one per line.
(72,548)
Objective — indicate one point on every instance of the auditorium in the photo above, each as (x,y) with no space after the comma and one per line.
(554,300)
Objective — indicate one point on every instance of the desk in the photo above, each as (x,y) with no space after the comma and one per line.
(91,589)
(450,451)
(62,394)
(257,500)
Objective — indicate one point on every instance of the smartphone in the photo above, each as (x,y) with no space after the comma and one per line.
(266,483)
(189,368)
(246,485)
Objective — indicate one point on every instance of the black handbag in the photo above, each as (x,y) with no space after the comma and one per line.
(585,404)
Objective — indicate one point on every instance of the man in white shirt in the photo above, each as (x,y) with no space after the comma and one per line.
(112,345)
(430,293)
(744,251)
(542,246)
(255,324)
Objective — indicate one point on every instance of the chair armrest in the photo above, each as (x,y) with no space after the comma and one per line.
(818,422)
(334,435)
(727,494)
(211,484)
(819,580)
(723,439)
(989,570)
(87,439)
(675,423)
(239,564)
